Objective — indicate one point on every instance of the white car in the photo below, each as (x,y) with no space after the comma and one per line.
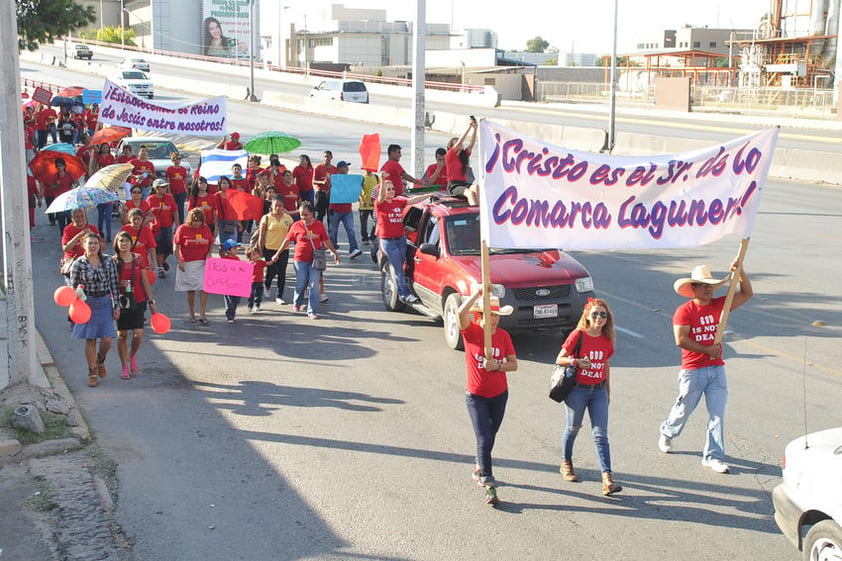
(135,81)
(160,149)
(135,63)
(341,90)
(808,504)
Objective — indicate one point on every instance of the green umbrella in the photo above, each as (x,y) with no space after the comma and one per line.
(272,142)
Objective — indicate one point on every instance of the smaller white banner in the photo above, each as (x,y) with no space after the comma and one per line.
(206,117)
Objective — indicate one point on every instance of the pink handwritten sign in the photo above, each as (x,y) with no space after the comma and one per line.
(228,276)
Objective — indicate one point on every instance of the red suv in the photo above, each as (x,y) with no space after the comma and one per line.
(547,288)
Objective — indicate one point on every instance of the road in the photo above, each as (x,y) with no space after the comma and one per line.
(347,437)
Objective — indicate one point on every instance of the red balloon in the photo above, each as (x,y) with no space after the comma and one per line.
(64,295)
(150,274)
(160,323)
(80,312)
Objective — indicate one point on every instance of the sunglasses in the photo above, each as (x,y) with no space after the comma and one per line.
(599,315)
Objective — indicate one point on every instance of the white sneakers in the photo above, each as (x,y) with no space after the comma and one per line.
(665,444)
(716,465)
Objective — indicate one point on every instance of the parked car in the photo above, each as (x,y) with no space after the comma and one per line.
(341,90)
(135,81)
(547,288)
(808,504)
(135,63)
(160,149)
(82,51)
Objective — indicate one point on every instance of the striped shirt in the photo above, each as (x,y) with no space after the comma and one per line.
(97,281)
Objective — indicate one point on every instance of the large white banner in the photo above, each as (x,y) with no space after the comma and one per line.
(206,117)
(536,195)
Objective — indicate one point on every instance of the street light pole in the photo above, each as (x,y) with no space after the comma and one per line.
(252,97)
(122,28)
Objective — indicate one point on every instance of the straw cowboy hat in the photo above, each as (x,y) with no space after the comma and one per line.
(700,274)
(495,307)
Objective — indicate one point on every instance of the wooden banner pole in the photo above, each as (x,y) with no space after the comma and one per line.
(486,299)
(732,288)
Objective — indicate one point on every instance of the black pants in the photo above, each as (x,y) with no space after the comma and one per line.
(322,202)
(278,269)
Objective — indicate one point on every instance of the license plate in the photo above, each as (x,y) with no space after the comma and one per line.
(543,311)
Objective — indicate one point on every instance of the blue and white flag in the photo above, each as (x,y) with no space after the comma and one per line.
(216,163)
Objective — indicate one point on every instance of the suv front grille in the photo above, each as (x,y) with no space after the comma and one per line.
(529,294)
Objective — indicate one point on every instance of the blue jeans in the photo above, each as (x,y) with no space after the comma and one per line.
(309,196)
(306,277)
(595,400)
(231,303)
(486,417)
(711,382)
(228,230)
(103,219)
(395,251)
(256,297)
(347,220)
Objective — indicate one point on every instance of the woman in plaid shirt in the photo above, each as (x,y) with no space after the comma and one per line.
(98,276)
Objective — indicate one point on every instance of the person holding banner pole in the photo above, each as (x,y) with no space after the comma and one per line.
(702,371)
(192,245)
(486,388)
(456,161)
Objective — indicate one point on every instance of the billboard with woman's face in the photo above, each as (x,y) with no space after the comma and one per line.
(225,28)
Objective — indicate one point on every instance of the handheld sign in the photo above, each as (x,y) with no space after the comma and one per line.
(228,276)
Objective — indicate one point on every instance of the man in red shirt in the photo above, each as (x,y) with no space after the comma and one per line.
(143,170)
(393,171)
(436,174)
(45,121)
(162,207)
(176,175)
(321,183)
(694,325)
(233,144)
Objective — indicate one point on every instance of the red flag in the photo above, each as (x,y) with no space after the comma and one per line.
(245,205)
(370,152)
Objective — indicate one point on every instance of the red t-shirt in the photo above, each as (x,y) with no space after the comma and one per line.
(142,241)
(259,267)
(240,183)
(70,231)
(457,172)
(597,349)
(138,168)
(177,178)
(392,171)
(251,177)
(480,381)
(193,243)
(205,202)
(121,159)
(163,209)
(125,274)
(44,117)
(103,160)
(143,206)
(390,218)
(301,235)
(58,185)
(323,173)
(290,195)
(441,180)
(303,178)
(276,176)
(702,321)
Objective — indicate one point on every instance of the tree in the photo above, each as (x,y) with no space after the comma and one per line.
(42,21)
(537,45)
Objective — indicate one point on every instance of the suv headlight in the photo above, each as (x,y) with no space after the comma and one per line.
(497,290)
(584,284)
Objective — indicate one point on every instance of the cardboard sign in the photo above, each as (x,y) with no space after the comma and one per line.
(345,188)
(42,96)
(228,276)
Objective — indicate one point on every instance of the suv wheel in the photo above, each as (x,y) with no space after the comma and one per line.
(450,319)
(823,541)
(389,288)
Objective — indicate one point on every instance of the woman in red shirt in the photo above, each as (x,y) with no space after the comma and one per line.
(456,162)
(136,201)
(73,233)
(176,175)
(60,183)
(142,238)
(303,175)
(486,388)
(200,197)
(308,234)
(192,245)
(135,292)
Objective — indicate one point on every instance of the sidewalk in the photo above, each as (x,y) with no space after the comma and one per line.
(55,501)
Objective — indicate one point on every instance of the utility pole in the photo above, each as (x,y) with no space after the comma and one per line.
(419,73)
(17,256)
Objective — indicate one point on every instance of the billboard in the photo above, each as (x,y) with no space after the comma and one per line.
(225,28)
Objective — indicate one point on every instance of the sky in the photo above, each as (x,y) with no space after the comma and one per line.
(582,26)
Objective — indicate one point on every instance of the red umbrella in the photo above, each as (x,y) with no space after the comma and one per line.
(245,205)
(72,91)
(43,165)
(108,134)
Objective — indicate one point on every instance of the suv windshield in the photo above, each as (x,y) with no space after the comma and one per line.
(134,75)
(157,150)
